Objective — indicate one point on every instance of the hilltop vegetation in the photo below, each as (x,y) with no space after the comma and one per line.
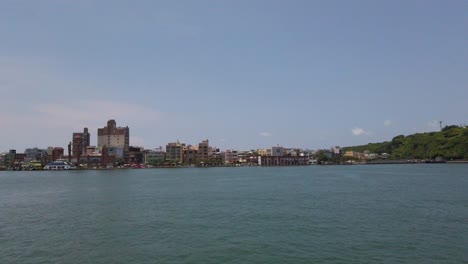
(450,143)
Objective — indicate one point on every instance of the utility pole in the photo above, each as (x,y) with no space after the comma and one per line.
(440,123)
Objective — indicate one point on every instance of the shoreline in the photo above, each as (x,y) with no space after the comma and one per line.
(390,162)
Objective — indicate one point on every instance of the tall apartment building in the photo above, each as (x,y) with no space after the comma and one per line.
(175,151)
(190,155)
(204,150)
(116,139)
(80,142)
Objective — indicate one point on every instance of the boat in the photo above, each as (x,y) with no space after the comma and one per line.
(59,165)
(35,165)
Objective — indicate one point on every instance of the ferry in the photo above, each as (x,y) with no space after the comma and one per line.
(59,165)
(35,165)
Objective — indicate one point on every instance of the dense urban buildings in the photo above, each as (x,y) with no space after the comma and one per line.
(113,150)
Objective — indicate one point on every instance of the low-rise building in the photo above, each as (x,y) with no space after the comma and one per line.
(154,157)
(264,152)
(231,157)
(282,160)
(136,154)
(277,151)
(34,154)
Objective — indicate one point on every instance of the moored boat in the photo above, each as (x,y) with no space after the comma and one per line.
(59,165)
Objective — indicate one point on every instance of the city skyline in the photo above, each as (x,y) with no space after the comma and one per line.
(244,74)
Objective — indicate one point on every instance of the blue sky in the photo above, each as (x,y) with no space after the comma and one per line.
(244,74)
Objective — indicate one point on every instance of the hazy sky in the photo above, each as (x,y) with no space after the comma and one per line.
(244,74)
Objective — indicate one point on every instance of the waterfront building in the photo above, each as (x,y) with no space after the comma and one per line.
(291,152)
(90,150)
(49,151)
(264,152)
(204,150)
(282,160)
(277,151)
(153,157)
(10,158)
(80,141)
(231,157)
(354,154)
(57,153)
(136,155)
(175,152)
(336,150)
(116,139)
(34,154)
(190,155)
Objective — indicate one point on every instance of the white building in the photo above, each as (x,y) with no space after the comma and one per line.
(336,150)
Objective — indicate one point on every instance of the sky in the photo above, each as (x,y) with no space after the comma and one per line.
(244,74)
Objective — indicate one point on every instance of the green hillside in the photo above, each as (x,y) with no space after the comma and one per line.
(450,143)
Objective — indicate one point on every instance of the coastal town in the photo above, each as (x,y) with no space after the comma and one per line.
(113,150)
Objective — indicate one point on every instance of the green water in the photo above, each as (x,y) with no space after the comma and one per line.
(315,214)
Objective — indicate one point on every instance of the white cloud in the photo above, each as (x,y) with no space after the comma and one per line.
(357,131)
(265,134)
(387,123)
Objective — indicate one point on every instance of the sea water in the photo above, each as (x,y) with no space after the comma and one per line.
(316,214)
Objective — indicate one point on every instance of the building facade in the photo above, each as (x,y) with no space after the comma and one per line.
(80,142)
(264,152)
(34,154)
(190,155)
(337,150)
(154,157)
(204,150)
(115,138)
(282,160)
(277,151)
(175,152)
(231,157)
